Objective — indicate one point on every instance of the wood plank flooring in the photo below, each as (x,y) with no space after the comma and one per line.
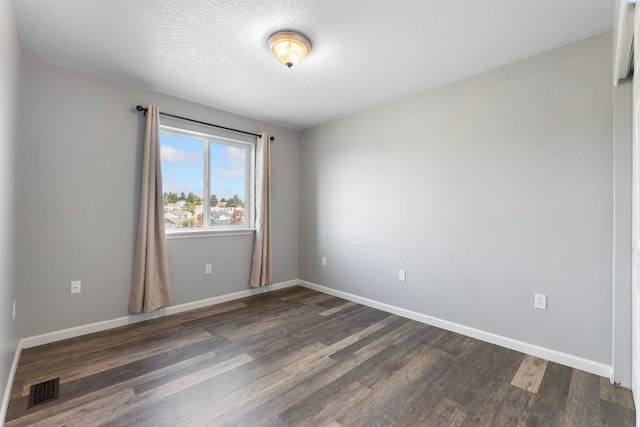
(296,357)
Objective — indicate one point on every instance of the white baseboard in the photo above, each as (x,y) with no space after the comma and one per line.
(635,389)
(621,383)
(523,347)
(545,353)
(135,318)
(7,390)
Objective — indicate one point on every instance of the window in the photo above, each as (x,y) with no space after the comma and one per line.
(207,181)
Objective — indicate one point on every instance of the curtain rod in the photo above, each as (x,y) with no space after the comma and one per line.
(141,108)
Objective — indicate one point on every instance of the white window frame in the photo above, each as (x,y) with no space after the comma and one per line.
(249,200)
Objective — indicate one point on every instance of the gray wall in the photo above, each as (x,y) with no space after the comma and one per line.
(622,149)
(79,202)
(485,191)
(10,85)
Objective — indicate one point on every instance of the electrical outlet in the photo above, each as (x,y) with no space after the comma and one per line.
(207,269)
(402,275)
(540,302)
(76,286)
(324,260)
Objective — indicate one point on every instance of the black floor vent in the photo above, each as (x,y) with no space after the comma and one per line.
(44,392)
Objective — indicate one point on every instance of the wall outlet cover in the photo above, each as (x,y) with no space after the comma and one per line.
(540,301)
(76,286)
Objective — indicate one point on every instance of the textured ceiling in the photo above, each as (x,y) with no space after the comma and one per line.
(365,52)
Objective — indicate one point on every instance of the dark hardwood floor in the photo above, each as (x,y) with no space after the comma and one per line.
(297,357)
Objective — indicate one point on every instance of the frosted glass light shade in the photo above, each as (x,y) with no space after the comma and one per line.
(289,48)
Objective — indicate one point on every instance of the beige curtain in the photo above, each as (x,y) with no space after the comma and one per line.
(261,267)
(150,288)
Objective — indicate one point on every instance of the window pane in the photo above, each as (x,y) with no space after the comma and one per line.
(182,180)
(228,185)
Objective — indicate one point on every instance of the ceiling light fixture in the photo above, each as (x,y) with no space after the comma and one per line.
(289,47)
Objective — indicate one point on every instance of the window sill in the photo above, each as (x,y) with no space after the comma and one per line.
(208,233)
